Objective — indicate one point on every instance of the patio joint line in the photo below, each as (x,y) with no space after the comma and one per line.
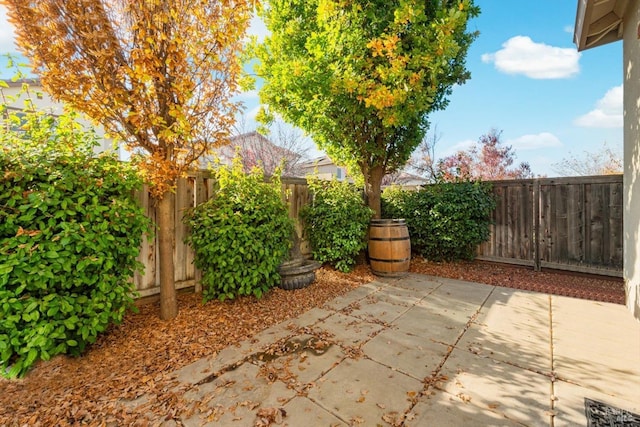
(552,361)
(428,383)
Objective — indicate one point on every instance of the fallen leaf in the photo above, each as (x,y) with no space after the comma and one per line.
(465,398)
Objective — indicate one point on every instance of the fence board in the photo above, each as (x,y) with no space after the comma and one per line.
(511,233)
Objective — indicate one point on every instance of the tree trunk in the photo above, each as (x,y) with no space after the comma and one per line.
(373,189)
(166,235)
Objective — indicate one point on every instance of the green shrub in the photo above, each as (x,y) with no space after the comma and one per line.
(446,221)
(70,233)
(241,235)
(394,200)
(336,223)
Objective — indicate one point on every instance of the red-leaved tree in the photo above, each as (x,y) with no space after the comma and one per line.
(488,160)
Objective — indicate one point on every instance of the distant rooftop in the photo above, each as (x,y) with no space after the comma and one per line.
(20,82)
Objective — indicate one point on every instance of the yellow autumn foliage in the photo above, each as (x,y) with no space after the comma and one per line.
(158,74)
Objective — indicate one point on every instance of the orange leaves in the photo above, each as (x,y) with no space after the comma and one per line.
(384,45)
(159,74)
(30,233)
(381,97)
(377,47)
(123,365)
(414,78)
(159,169)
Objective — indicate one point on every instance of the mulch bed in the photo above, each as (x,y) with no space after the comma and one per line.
(576,285)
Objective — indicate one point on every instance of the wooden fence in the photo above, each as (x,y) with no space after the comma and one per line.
(561,223)
(570,224)
(191,191)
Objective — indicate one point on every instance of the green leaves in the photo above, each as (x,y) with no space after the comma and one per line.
(336,223)
(446,221)
(70,233)
(241,235)
(362,77)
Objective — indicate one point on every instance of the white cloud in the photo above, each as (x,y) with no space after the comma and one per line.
(608,111)
(257,28)
(535,141)
(521,55)
(7,35)
(568,29)
(250,95)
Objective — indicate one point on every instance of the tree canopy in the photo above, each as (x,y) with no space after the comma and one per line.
(160,74)
(604,161)
(157,77)
(361,77)
(488,160)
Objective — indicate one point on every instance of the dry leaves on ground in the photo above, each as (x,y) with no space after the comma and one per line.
(135,360)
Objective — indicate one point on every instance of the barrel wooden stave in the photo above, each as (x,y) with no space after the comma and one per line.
(389,247)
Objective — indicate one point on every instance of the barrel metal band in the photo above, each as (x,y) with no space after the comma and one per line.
(388,239)
(390,260)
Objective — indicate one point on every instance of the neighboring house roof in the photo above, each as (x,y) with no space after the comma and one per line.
(260,144)
(317,162)
(599,22)
(40,99)
(43,102)
(404,179)
(254,148)
(327,169)
(20,82)
(324,168)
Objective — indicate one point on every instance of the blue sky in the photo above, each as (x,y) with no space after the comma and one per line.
(527,80)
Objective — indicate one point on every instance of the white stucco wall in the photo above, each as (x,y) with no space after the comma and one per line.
(631,48)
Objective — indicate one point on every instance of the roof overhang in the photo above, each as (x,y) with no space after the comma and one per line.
(599,22)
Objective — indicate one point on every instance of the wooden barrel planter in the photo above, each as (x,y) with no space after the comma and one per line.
(389,247)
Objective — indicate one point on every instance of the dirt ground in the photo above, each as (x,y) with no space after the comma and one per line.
(137,357)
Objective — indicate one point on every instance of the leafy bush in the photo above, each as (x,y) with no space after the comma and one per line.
(336,223)
(70,232)
(446,221)
(241,235)
(394,201)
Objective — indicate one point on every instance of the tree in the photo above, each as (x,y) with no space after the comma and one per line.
(602,162)
(361,77)
(284,147)
(159,74)
(424,159)
(488,160)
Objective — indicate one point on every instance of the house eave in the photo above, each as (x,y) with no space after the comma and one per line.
(599,22)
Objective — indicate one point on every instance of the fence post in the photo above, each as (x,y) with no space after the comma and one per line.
(536,225)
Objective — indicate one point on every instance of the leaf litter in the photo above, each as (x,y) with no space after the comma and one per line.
(138,358)
(126,377)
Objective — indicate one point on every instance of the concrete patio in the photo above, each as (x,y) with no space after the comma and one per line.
(425,351)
